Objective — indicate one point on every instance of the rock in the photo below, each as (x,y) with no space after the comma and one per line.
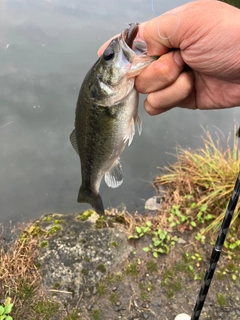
(89,307)
(153,203)
(78,255)
(181,241)
(182,316)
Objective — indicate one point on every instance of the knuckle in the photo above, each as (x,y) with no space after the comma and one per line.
(140,86)
(187,84)
(166,71)
(153,100)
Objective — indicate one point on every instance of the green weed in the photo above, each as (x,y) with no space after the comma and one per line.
(221,300)
(6,309)
(200,183)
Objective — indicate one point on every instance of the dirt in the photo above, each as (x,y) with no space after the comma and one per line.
(140,286)
(164,287)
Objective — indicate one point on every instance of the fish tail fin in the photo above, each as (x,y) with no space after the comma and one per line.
(94,200)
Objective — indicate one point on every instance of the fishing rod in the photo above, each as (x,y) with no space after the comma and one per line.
(215,255)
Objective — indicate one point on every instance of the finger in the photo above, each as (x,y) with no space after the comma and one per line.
(182,90)
(161,73)
(160,33)
(174,29)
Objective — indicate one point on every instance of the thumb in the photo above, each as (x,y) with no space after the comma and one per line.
(177,28)
(164,32)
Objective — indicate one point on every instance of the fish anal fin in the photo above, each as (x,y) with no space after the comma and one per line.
(114,176)
(73,141)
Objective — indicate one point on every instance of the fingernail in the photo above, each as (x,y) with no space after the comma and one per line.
(178,58)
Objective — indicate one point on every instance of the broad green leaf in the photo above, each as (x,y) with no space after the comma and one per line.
(156,243)
(8,318)
(138,229)
(155,254)
(145,249)
(166,249)
(173,224)
(184,218)
(1,310)
(162,236)
(192,205)
(148,224)
(8,308)
(133,237)
(191,268)
(203,207)
(208,217)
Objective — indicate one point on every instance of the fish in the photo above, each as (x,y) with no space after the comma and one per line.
(106,114)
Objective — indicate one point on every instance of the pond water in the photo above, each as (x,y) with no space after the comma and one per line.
(46,48)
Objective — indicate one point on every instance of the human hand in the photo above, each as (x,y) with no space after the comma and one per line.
(206,36)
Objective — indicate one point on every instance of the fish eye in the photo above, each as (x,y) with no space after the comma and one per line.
(108,54)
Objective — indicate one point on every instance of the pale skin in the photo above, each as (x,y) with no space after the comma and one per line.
(203,70)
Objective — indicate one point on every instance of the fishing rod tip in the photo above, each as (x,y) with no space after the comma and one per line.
(182,316)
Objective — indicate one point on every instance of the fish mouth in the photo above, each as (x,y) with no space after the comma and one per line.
(126,40)
(131,34)
(132,45)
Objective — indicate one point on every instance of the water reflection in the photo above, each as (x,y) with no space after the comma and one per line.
(46,48)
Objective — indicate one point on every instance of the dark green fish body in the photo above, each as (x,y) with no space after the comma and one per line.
(106,114)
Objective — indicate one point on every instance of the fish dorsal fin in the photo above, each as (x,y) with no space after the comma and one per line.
(138,122)
(73,140)
(114,176)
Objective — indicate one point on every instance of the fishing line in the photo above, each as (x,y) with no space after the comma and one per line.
(166,18)
(171,18)
(153,10)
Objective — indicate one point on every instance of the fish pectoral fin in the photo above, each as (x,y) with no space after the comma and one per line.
(138,122)
(73,141)
(114,177)
(131,129)
(130,133)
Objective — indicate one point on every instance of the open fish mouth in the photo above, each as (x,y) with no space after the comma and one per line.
(128,36)
(131,44)
(131,34)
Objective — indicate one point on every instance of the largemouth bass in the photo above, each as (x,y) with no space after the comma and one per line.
(106,114)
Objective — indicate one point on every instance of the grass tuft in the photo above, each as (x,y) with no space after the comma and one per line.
(201,182)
